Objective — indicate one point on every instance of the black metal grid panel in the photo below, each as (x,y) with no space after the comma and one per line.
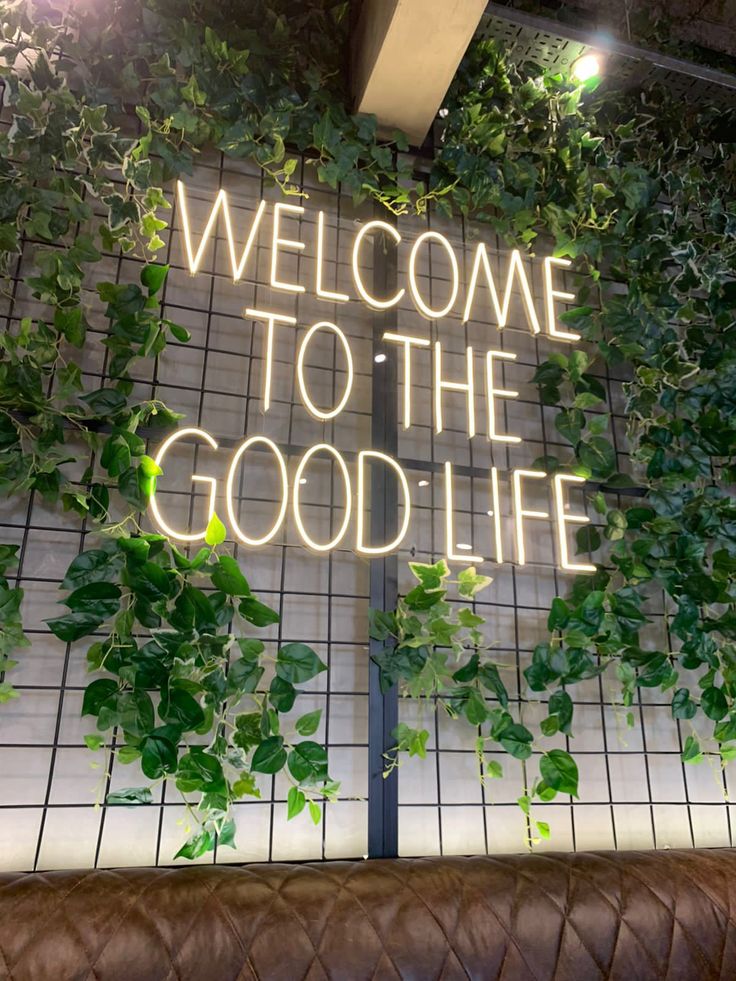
(634,792)
(525,37)
(48,818)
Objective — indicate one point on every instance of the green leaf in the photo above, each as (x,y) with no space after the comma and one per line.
(471,582)
(295,803)
(683,707)
(102,599)
(197,845)
(559,771)
(308,762)
(228,577)
(216,532)
(94,741)
(270,756)
(560,705)
(130,796)
(282,695)
(96,693)
(297,663)
(149,467)
(198,770)
(598,455)
(153,278)
(257,613)
(179,707)
(517,741)
(72,626)
(491,679)
(713,702)
(308,724)
(691,752)
(158,756)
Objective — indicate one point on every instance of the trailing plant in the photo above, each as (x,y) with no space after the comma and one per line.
(638,190)
(651,202)
(195,677)
(439,655)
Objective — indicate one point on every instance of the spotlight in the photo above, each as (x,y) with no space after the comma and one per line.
(423,483)
(585,67)
(380,358)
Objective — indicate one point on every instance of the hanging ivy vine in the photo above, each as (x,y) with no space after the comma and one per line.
(638,187)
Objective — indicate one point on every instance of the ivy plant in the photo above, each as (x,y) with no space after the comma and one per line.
(109,103)
(437,652)
(198,675)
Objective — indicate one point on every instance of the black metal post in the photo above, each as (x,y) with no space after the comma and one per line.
(383,793)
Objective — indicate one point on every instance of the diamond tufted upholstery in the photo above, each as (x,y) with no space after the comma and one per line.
(579,917)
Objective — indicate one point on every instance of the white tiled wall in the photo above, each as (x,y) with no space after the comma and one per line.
(634,791)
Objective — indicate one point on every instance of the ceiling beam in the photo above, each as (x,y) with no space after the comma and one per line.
(404,56)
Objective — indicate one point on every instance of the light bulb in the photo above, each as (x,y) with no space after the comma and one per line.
(586,67)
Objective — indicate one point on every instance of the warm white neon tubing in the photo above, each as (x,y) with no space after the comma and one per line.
(380,549)
(310,406)
(163,449)
(440,384)
(520,513)
(503,393)
(450,523)
(516,266)
(320,290)
(496,514)
(407,342)
(573,519)
(359,285)
(242,449)
(295,209)
(424,308)
(551,294)
(271,320)
(306,538)
(221,202)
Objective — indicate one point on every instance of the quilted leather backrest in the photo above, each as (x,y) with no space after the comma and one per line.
(633,916)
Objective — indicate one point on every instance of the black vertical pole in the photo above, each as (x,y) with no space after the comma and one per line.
(383,796)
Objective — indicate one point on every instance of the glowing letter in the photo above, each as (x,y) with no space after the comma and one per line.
(220,202)
(467,387)
(491,393)
(325,294)
(380,549)
(502,312)
(229,491)
(295,209)
(311,407)
(271,319)
(450,523)
(550,295)
(562,519)
(495,513)
(407,342)
(371,300)
(180,434)
(297,507)
(520,513)
(419,302)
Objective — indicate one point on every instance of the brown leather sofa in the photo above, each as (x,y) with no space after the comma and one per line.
(633,916)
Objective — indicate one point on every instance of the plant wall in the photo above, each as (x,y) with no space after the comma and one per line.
(106,104)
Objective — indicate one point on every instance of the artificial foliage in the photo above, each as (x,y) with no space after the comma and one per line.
(104,105)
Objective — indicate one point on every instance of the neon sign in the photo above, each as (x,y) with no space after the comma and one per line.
(354,504)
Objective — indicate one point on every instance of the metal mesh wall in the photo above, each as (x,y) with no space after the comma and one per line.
(47,813)
(634,790)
